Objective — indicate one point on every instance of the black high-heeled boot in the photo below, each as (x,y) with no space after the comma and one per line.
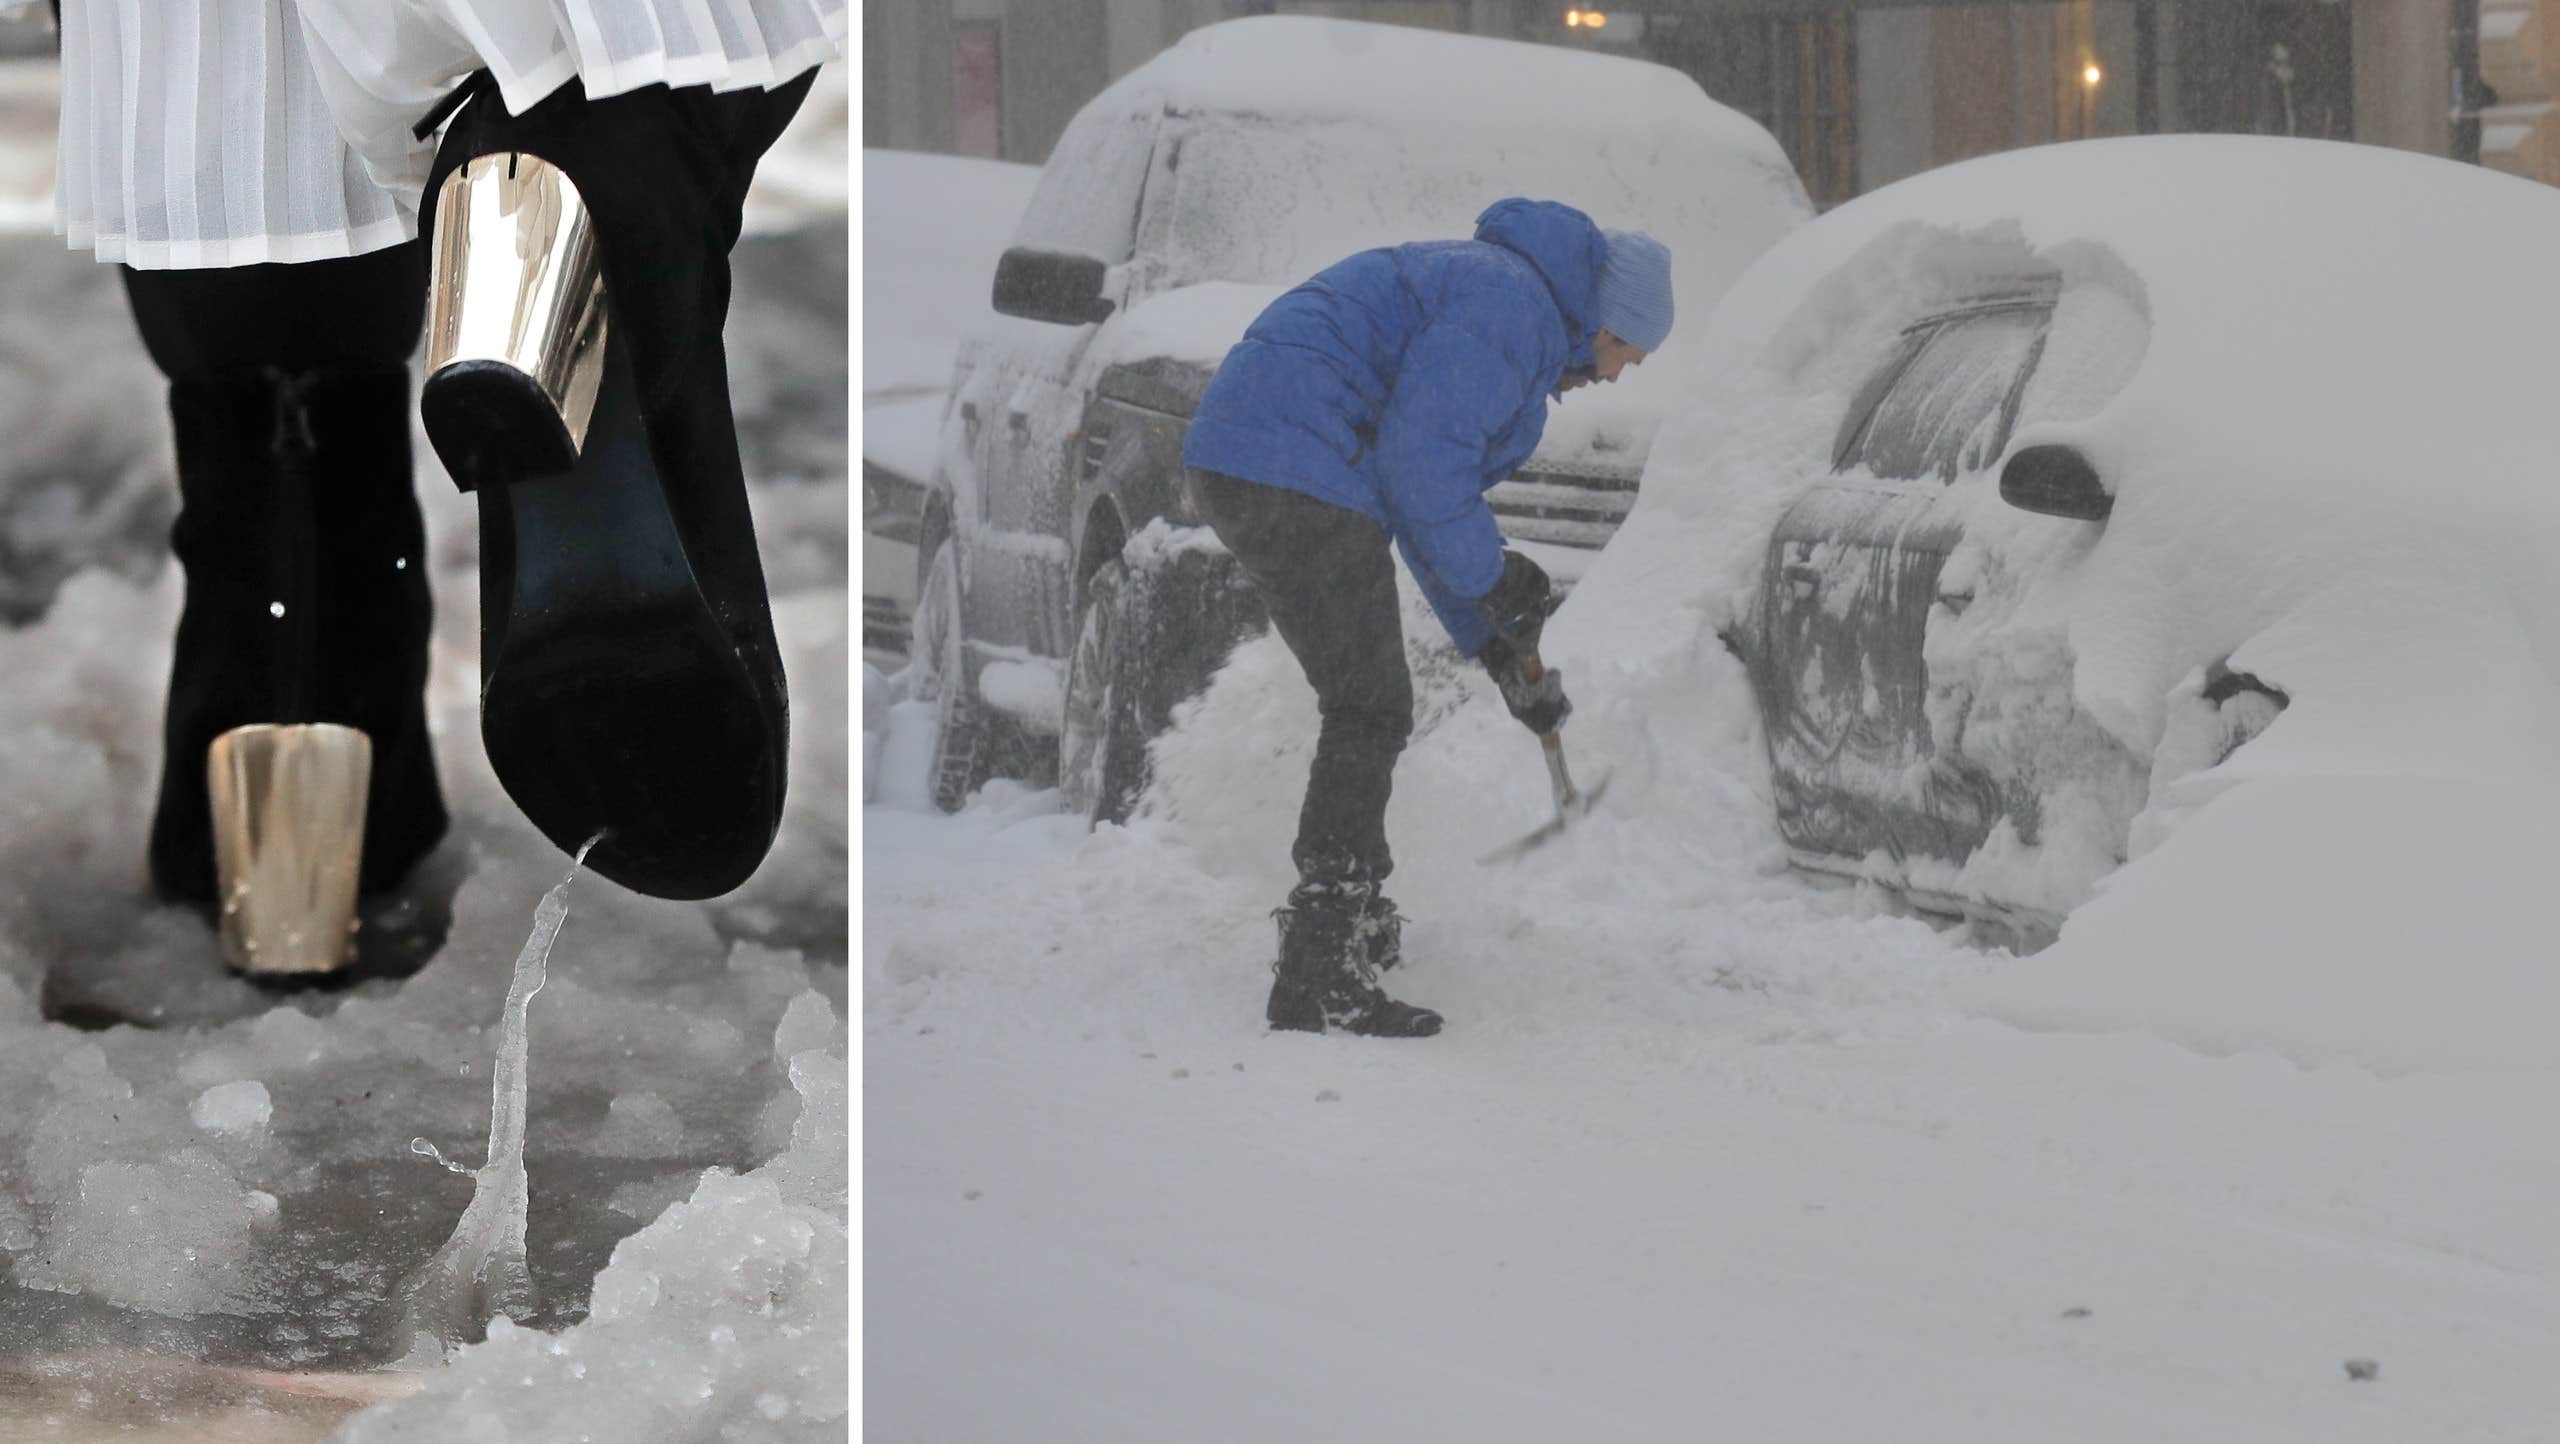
(630,681)
(306,601)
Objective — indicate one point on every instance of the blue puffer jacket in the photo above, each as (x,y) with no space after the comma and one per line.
(1403,382)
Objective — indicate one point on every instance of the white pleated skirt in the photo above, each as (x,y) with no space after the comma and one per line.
(203,133)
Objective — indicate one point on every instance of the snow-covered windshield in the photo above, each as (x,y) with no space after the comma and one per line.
(1241,196)
(1252,199)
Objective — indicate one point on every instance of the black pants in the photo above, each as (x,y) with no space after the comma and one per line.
(1329,581)
(363,310)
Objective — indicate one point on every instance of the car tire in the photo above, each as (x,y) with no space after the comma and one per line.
(1102,738)
(937,673)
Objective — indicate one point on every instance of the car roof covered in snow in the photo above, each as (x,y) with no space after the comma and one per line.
(1296,66)
(2317,299)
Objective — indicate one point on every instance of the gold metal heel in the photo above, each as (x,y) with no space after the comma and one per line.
(288,843)
(515,321)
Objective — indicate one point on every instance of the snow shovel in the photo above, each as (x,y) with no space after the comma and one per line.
(1571,802)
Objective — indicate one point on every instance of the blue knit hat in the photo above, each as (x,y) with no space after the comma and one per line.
(1634,301)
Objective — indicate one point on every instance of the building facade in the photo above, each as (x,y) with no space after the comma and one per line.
(1860,92)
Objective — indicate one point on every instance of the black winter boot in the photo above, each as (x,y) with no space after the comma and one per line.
(1324,979)
(306,600)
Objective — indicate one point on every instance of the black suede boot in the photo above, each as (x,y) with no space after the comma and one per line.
(306,600)
(630,681)
(1324,978)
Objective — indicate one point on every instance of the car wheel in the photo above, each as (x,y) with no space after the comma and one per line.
(938,674)
(2244,706)
(1102,745)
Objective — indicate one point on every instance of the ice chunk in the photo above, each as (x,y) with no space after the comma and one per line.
(17,1225)
(640,1125)
(287,1037)
(238,1108)
(807,1023)
(173,1236)
(814,1170)
(715,1039)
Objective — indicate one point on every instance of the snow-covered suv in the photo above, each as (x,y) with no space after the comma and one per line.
(1068,596)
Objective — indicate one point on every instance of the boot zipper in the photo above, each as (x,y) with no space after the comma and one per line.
(292,569)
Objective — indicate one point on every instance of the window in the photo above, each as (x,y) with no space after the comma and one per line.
(2270,67)
(1943,403)
(977,90)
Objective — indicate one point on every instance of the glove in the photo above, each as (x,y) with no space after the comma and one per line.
(1519,603)
(1540,706)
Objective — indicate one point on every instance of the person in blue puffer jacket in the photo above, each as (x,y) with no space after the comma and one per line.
(1376,401)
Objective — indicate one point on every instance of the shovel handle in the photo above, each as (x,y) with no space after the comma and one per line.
(1551,744)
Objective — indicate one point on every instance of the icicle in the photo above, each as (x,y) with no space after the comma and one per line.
(425,1149)
(480,1271)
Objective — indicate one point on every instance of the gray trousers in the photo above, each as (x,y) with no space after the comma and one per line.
(1328,579)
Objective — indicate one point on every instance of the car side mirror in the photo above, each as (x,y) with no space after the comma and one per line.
(1055,286)
(2055,481)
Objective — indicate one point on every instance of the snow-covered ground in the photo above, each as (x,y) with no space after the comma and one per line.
(1707,1151)
(1710,1149)
(204,1224)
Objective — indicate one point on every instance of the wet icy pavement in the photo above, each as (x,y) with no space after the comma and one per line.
(688,1260)
(1704,1153)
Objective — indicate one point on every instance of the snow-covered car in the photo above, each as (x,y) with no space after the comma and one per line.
(1069,596)
(932,226)
(2048,496)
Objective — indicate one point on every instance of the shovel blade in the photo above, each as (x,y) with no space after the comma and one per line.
(1554,828)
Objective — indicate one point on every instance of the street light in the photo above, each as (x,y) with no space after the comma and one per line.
(1585,19)
(2090,75)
